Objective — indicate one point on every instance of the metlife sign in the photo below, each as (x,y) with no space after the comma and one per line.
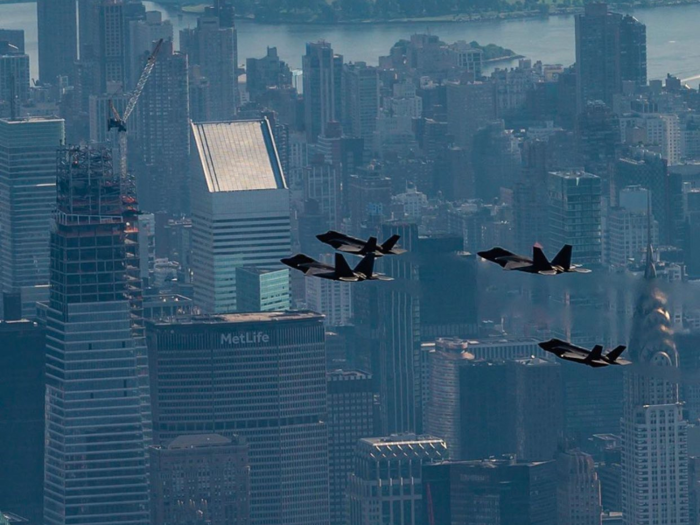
(243,338)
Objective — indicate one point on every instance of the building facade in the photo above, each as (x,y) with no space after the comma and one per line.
(58,39)
(578,489)
(261,376)
(27,196)
(323,88)
(655,470)
(96,427)
(575,215)
(200,479)
(386,485)
(240,208)
(350,418)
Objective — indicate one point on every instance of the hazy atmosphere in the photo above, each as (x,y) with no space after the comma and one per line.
(349,262)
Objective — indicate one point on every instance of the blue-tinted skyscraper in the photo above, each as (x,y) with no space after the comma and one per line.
(95,444)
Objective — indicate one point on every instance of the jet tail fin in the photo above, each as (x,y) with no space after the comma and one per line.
(390,243)
(595,354)
(366,265)
(371,245)
(563,258)
(540,259)
(341,267)
(615,353)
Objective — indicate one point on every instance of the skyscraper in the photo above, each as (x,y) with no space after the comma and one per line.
(536,407)
(575,214)
(58,39)
(213,49)
(633,50)
(654,432)
(610,48)
(350,418)
(14,80)
(203,478)
(386,485)
(112,57)
(361,101)
(96,468)
(323,93)
(578,489)
(22,390)
(261,376)
(27,196)
(490,492)
(443,415)
(164,135)
(240,208)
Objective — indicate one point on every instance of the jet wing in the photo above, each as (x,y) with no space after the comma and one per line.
(342,242)
(505,259)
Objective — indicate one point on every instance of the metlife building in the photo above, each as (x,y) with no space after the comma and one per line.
(260,376)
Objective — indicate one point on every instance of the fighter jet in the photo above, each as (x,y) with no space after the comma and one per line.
(538,264)
(593,358)
(347,244)
(364,271)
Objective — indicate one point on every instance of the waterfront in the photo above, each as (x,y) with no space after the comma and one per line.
(673,36)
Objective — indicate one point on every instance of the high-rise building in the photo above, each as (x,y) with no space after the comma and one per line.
(578,489)
(96,430)
(654,433)
(58,39)
(530,197)
(350,418)
(22,390)
(470,105)
(575,214)
(633,51)
(201,479)
(443,415)
(490,492)
(164,135)
(240,208)
(142,36)
(111,58)
(27,196)
(261,376)
(537,409)
(361,101)
(14,80)
(486,425)
(610,48)
(213,48)
(386,485)
(266,72)
(323,88)
(261,290)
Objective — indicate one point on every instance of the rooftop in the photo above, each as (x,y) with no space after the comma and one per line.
(251,317)
(238,156)
(198,440)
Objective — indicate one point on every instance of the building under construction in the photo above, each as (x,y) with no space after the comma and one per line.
(97,216)
(95,357)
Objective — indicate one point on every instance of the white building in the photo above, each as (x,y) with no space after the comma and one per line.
(660,130)
(628,227)
(240,208)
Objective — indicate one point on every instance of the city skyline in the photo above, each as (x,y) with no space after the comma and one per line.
(189,357)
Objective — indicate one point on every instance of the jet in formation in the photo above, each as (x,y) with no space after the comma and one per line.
(364,271)
(345,243)
(593,358)
(538,264)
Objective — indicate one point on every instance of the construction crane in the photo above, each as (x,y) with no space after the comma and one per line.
(119,122)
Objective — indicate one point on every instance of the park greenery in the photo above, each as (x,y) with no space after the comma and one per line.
(382,10)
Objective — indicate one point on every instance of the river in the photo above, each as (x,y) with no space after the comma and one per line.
(672,32)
